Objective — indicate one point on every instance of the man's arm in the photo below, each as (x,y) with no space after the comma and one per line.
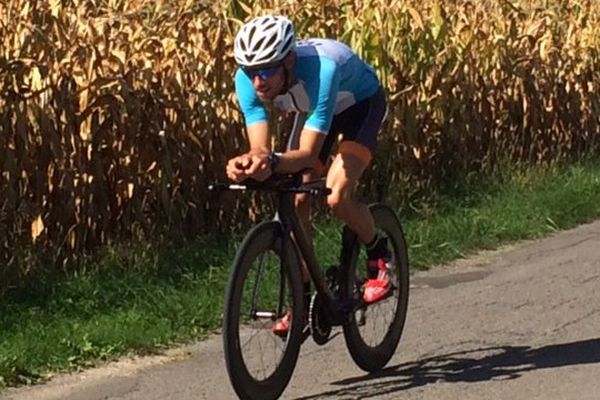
(257,128)
(259,138)
(317,125)
(307,155)
(254,163)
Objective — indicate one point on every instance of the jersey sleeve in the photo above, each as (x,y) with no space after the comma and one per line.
(329,81)
(253,109)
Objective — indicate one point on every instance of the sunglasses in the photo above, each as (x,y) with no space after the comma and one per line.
(262,73)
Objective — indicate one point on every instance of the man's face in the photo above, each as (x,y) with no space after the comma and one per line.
(268,82)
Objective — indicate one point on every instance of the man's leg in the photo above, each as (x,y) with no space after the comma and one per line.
(342,179)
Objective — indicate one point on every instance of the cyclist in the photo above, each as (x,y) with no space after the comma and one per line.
(330,91)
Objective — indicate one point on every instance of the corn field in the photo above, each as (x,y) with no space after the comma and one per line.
(116,114)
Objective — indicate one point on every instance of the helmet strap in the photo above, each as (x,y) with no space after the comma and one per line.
(288,78)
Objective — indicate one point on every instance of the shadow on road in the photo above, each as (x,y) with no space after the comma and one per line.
(489,363)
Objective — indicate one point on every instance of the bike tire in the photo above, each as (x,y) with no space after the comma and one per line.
(263,238)
(373,357)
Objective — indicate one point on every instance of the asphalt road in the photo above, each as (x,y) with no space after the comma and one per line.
(519,323)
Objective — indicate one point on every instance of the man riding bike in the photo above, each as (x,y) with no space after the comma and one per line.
(330,91)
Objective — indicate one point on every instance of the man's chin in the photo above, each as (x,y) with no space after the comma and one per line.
(265,96)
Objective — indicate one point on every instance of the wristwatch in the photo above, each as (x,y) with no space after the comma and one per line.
(274,160)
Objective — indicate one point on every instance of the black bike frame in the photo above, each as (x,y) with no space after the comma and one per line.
(294,236)
(286,215)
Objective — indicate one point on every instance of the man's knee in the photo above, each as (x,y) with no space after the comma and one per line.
(338,200)
(333,200)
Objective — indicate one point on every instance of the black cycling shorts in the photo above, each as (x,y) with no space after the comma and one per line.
(358,124)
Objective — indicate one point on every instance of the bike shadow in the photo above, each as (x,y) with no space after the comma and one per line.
(483,364)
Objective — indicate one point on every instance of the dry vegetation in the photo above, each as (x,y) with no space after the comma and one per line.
(116,113)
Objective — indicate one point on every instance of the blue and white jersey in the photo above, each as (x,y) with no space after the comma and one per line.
(330,79)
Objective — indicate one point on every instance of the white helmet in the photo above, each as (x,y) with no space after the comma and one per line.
(264,40)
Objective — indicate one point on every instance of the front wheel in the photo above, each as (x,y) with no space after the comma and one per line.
(265,284)
(373,333)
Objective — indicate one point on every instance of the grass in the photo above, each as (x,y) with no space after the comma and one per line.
(112,311)
(141,299)
(525,205)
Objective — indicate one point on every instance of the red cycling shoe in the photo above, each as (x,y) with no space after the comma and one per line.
(378,285)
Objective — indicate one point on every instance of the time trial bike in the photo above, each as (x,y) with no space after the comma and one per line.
(266,282)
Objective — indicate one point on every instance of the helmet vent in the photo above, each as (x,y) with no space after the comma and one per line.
(288,44)
(251,33)
(270,26)
(266,57)
(271,41)
(288,30)
(258,44)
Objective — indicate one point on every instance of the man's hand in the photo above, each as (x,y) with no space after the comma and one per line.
(237,166)
(250,165)
(260,168)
